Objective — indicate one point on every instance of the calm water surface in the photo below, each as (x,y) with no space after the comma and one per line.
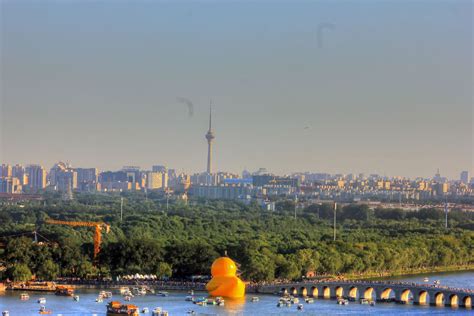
(176,305)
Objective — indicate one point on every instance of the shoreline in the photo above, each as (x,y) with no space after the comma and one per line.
(197,286)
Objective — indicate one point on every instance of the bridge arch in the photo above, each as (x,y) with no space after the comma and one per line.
(326,292)
(423,298)
(303,291)
(405,296)
(339,291)
(385,293)
(438,299)
(293,291)
(467,302)
(369,293)
(353,292)
(453,300)
(314,291)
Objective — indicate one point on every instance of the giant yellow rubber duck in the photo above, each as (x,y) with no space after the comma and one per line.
(224,280)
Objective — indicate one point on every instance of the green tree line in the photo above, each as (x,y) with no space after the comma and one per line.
(185,240)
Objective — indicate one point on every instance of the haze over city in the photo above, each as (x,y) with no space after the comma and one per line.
(385,89)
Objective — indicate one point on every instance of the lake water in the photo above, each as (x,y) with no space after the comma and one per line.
(176,305)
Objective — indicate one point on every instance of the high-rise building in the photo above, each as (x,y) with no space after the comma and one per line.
(10,185)
(210,137)
(465,177)
(63,177)
(19,172)
(87,179)
(156,180)
(6,171)
(36,178)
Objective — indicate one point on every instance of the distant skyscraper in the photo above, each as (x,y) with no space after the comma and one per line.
(210,137)
(6,171)
(465,177)
(36,178)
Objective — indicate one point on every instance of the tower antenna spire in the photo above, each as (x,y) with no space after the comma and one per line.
(210,115)
(210,137)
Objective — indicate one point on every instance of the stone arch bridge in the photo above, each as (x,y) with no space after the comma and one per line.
(400,292)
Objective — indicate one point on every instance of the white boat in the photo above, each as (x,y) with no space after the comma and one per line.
(42,300)
(162,293)
(255,299)
(426,280)
(24,296)
(76,298)
(5,313)
(189,298)
(300,307)
(99,299)
(127,298)
(156,311)
(123,290)
(145,310)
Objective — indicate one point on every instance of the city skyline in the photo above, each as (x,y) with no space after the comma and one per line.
(306,86)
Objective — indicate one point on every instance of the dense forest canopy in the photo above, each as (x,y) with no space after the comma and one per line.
(184,240)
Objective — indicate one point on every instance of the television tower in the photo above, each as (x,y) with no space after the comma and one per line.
(210,137)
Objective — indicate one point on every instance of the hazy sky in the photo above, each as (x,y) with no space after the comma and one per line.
(338,86)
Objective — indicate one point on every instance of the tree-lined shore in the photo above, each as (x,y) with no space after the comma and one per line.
(183,241)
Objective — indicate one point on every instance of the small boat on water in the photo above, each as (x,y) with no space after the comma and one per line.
(76,298)
(156,311)
(189,298)
(295,300)
(41,300)
(201,301)
(5,313)
(219,301)
(44,311)
(426,280)
(99,299)
(123,290)
(437,282)
(145,310)
(24,296)
(300,307)
(309,300)
(255,299)
(365,301)
(127,298)
(163,293)
(119,309)
(63,290)
(343,301)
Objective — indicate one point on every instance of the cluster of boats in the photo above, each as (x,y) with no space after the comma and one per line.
(363,301)
(103,295)
(119,309)
(219,301)
(288,301)
(42,310)
(138,291)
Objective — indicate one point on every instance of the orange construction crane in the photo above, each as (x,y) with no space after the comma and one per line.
(97,234)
